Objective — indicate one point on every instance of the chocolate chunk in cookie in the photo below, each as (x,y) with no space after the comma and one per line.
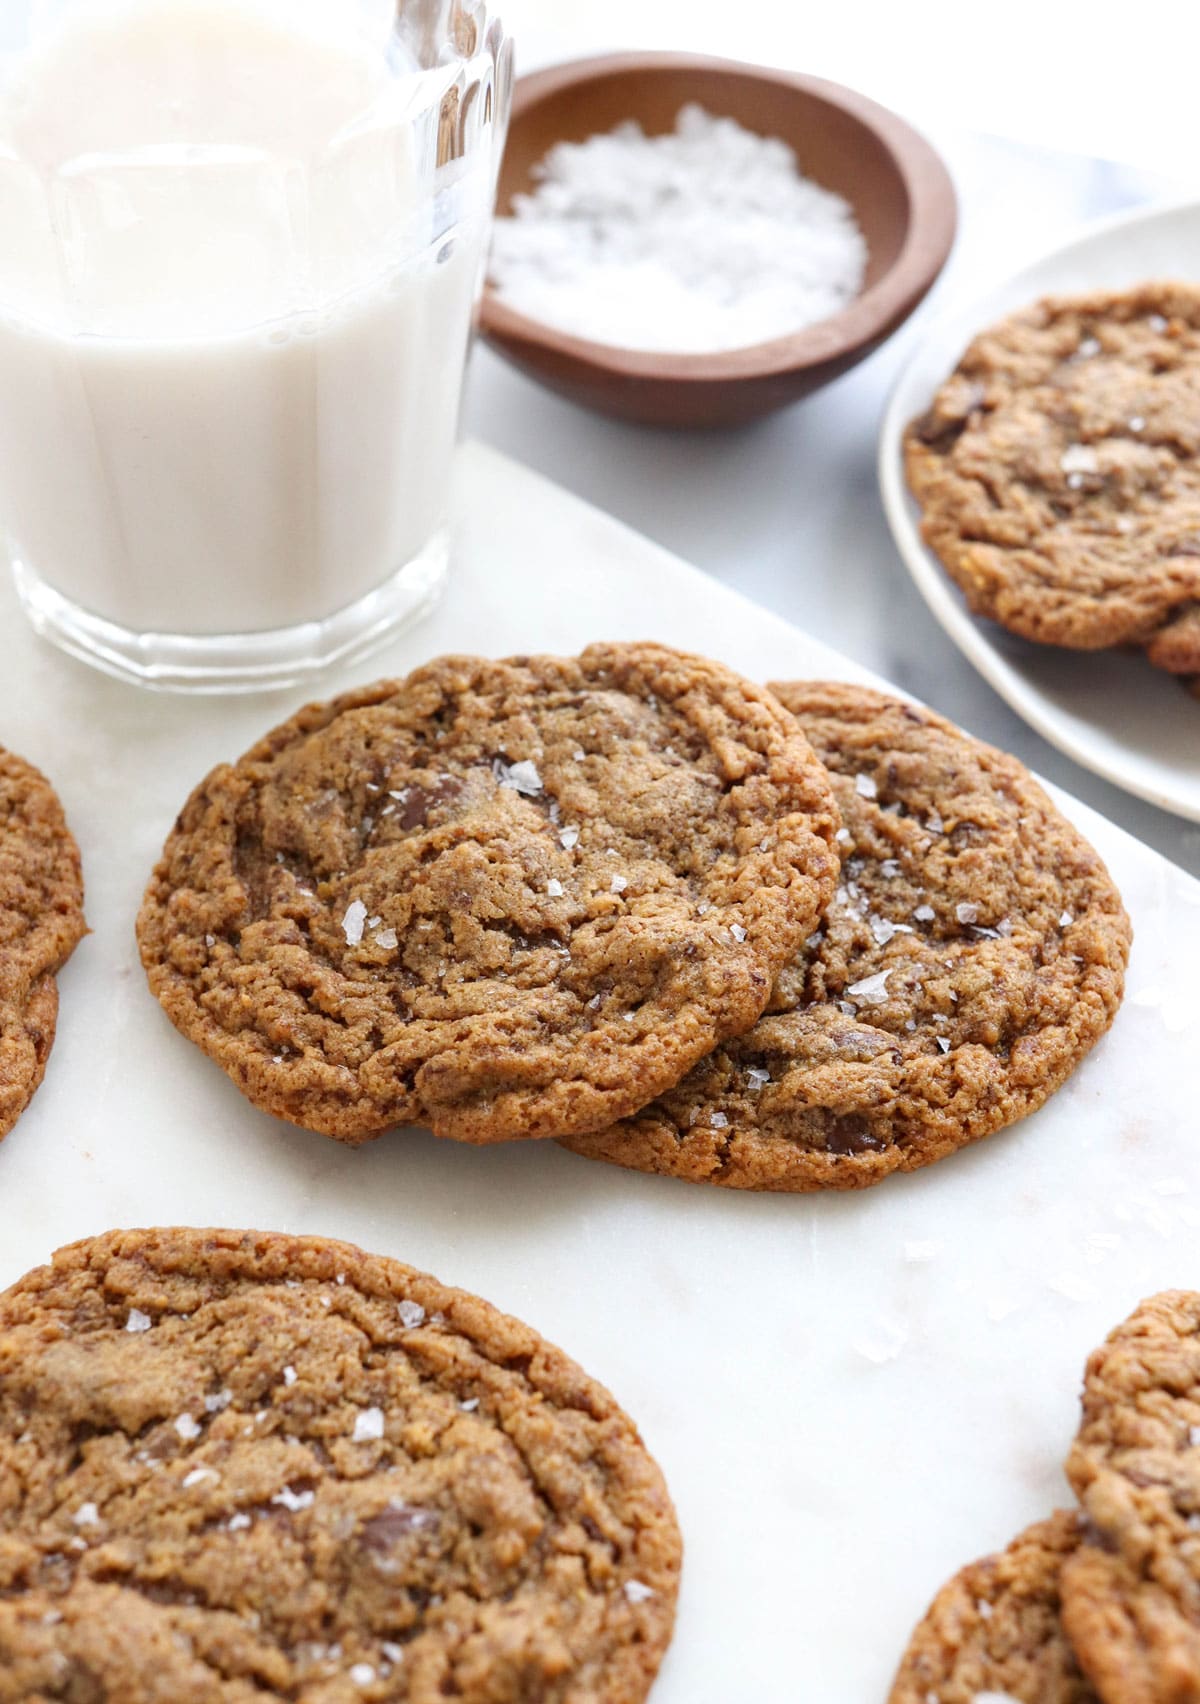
(1131,1597)
(974,952)
(505,898)
(994,1634)
(236,1466)
(1058,472)
(41,922)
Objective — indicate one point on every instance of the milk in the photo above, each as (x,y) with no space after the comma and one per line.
(234,309)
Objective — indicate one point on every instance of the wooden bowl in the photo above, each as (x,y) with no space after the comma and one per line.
(900,191)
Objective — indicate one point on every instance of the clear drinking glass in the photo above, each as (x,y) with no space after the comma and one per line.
(243,241)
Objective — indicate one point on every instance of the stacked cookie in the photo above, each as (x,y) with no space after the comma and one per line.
(779,940)
(1058,472)
(1101,1606)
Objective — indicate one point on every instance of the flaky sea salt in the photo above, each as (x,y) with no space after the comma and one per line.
(705,238)
(568,837)
(883,929)
(619,884)
(354,922)
(865,787)
(924,914)
(138,1321)
(872,990)
(756,1077)
(187,1427)
(289,1375)
(293,1501)
(637,1591)
(736,930)
(522,777)
(218,1401)
(86,1514)
(966,911)
(412,1314)
(386,939)
(1079,458)
(362,1674)
(368,1425)
(554,889)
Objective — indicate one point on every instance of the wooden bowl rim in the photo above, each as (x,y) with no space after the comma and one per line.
(932,223)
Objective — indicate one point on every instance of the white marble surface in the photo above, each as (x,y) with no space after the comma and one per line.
(850,1395)
(788,511)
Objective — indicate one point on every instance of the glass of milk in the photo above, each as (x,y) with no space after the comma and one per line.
(241,246)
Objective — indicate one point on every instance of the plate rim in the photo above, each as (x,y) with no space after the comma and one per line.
(941,596)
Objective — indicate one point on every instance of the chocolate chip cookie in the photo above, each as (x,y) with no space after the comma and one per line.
(993,1633)
(974,951)
(1131,1597)
(506,899)
(237,1466)
(1058,473)
(41,922)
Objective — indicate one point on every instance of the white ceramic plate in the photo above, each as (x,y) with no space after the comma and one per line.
(1108,710)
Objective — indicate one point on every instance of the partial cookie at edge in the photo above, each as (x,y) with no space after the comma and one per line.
(994,1629)
(41,923)
(1058,472)
(242,1465)
(1131,1598)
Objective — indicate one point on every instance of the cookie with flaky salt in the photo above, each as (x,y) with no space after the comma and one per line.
(974,952)
(507,899)
(236,1466)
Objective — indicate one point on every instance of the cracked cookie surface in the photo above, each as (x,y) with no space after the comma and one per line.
(994,1631)
(1058,473)
(974,952)
(1131,1596)
(505,899)
(238,1467)
(41,923)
